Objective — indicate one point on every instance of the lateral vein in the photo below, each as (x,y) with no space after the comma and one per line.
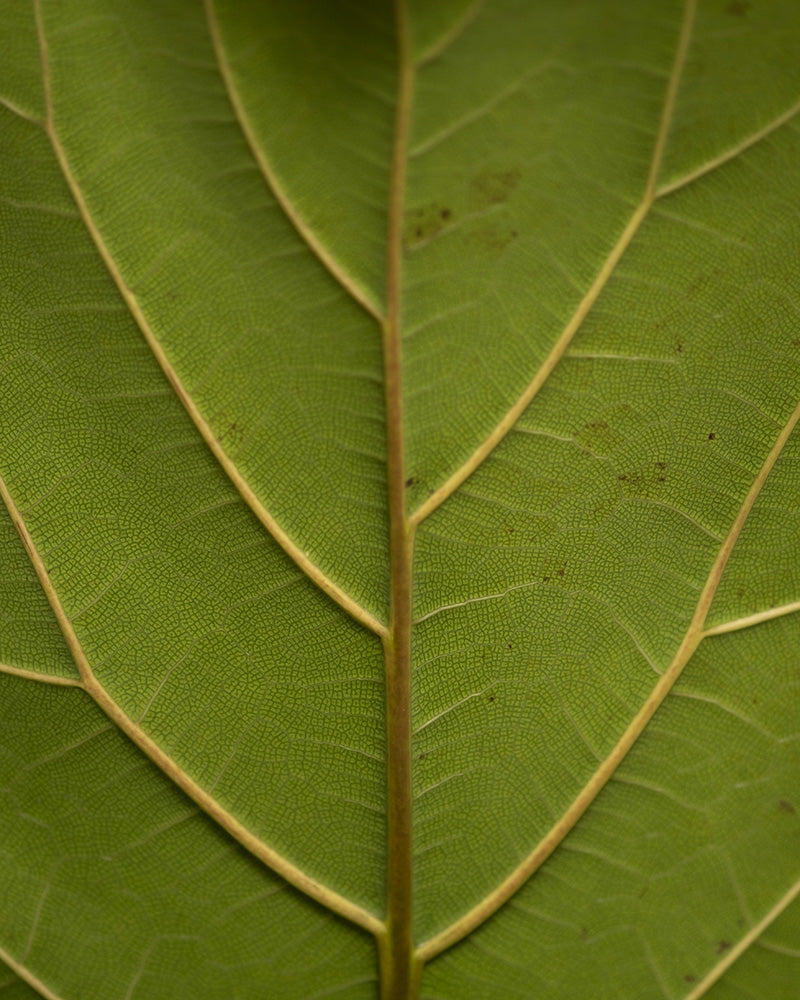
(33,675)
(736,952)
(23,973)
(732,153)
(755,619)
(691,640)
(289,546)
(487,446)
(279,864)
(305,232)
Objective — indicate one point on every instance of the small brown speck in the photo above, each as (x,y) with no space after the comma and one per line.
(722,947)
(711,436)
(787,807)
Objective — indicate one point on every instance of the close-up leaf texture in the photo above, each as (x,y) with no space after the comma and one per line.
(400,537)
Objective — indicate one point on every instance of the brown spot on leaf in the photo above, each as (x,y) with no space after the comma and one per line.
(425,222)
(738,8)
(689,978)
(787,807)
(493,187)
(722,947)
(411,481)
(712,436)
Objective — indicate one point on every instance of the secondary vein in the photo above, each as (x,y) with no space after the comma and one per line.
(248,494)
(279,864)
(691,640)
(306,233)
(512,415)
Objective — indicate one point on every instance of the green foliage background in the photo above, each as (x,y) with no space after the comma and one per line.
(592,212)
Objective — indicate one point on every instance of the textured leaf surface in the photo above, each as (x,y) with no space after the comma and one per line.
(401,477)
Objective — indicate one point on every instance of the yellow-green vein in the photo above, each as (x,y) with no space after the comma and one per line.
(329,262)
(738,949)
(755,619)
(512,415)
(283,867)
(28,977)
(33,675)
(692,638)
(290,547)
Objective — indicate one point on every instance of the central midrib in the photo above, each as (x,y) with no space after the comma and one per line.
(396,948)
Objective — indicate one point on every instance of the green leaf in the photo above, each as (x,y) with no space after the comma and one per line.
(401,543)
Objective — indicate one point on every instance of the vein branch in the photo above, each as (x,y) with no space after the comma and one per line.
(741,946)
(307,234)
(23,973)
(755,619)
(691,640)
(279,864)
(510,418)
(35,675)
(289,546)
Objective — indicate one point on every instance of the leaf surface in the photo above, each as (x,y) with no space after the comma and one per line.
(401,470)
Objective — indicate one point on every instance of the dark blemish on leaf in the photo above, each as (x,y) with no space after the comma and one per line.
(422,224)
(622,478)
(411,481)
(787,807)
(491,697)
(493,187)
(689,978)
(584,933)
(738,8)
(514,233)
(509,646)
(545,579)
(740,592)
(722,947)
(661,479)
(679,348)
(561,571)
(712,436)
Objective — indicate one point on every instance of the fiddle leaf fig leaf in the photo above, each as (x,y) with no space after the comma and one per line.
(401,500)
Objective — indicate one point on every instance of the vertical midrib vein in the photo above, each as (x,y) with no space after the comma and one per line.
(396,947)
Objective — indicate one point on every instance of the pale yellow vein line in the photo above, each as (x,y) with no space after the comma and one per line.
(754,619)
(28,977)
(322,253)
(20,112)
(283,867)
(562,343)
(730,957)
(33,675)
(731,153)
(458,27)
(691,640)
(289,546)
